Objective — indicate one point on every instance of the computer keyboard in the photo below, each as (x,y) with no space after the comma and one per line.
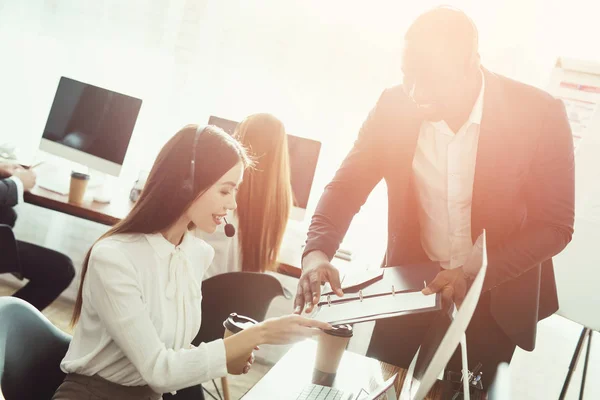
(318,392)
(59,186)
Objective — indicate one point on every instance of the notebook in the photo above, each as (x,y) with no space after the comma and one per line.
(395,292)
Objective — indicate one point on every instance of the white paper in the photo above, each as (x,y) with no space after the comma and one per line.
(581,104)
(580,114)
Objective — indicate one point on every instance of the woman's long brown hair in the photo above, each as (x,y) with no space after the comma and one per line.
(265,196)
(163,200)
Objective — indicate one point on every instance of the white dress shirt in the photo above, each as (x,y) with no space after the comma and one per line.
(141,310)
(227,249)
(444,169)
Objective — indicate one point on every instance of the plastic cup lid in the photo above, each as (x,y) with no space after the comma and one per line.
(236,323)
(79,175)
(340,330)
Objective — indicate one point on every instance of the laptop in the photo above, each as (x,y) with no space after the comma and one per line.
(445,335)
(385,391)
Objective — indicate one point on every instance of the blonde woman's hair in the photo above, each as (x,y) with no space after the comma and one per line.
(265,196)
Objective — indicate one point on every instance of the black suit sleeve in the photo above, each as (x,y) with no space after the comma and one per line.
(8,193)
(550,197)
(342,198)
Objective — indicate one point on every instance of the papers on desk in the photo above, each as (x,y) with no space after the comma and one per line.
(388,292)
(385,391)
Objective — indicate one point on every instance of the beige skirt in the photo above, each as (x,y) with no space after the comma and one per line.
(82,387)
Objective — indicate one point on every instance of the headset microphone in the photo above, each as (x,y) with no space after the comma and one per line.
(229,228)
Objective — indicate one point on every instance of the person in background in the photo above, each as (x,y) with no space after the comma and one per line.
(461,149)
(49,272)
(264,202)
(139,301)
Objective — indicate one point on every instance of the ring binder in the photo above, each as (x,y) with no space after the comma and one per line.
(396,292)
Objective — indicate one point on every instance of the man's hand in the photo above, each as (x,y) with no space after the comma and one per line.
(316,270)
(27,176)
(452,283)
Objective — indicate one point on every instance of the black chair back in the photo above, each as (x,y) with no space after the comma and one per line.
(31,349)
(244,293)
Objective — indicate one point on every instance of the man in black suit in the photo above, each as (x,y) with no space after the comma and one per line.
(461,150)
(49,272)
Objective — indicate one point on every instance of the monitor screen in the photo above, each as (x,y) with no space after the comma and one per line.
(90,120)
(304,154)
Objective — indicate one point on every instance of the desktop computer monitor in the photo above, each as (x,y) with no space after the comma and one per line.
(90,125)
(304,154)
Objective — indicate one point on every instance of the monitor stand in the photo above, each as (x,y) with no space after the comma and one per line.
(104,190)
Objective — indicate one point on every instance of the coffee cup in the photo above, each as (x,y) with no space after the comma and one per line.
(236,323)
(79,182)
(330,349)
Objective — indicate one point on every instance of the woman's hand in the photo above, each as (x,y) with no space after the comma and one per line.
(290,329)
(282,330)
(241,365)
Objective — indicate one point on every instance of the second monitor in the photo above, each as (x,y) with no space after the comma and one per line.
(304,154)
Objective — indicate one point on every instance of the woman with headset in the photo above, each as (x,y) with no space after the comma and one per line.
(264,202)
(139,301)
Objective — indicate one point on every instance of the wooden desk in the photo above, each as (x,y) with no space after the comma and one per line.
(290,270)
(107,214)
(294,371)
(289,264)
(120,206)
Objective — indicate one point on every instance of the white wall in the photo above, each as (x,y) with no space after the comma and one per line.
(319,66)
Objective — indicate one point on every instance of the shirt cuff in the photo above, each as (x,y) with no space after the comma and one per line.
(217,358)
(20,190)
(473,264)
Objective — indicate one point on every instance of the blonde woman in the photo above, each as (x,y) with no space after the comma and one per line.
(264,201)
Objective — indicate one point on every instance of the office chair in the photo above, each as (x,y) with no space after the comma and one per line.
(245,293)
(31,349)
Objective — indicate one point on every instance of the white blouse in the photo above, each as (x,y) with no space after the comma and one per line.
(227,249)
(141,311)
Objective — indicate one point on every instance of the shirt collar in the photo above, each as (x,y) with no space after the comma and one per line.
(475,116)
(163,248)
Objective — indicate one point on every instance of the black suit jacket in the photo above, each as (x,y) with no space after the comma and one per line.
(8,193)
(8,245)
(523,194)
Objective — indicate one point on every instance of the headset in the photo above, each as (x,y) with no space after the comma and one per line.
(189,184)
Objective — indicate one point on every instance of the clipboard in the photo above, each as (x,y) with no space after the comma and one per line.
(396,293)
